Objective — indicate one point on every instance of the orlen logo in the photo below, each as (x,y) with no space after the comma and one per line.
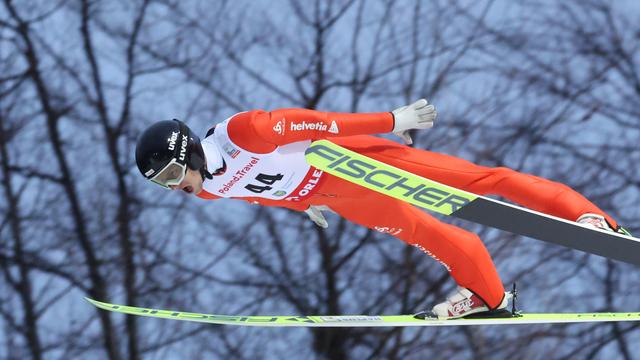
(279,127)
(306,186)
(172,140)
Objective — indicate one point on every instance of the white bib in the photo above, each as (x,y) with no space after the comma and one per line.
(272,176)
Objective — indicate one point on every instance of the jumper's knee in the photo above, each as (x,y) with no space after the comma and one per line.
(490,180)
(501,173)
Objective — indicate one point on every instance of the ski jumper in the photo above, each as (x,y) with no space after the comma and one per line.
(264,158)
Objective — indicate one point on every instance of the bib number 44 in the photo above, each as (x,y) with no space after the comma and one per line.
(265,179)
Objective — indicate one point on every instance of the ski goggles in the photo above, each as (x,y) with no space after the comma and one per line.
(172,174)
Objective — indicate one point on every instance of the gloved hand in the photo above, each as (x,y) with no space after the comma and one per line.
(419,115)
(315,214)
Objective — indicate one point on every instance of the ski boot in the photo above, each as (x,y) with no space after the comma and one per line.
(599,222)
(464,303)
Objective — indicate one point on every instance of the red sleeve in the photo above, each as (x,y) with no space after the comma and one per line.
(260,131)
(207,195)
(297,206)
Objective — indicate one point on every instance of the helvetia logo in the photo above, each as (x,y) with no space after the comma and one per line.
(279,127)
(319,126)
(334,128)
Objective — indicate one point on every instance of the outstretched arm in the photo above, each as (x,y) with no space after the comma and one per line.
(284,126)
(261,131)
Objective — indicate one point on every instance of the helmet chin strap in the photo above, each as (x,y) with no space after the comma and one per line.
(205,174)
(213,160)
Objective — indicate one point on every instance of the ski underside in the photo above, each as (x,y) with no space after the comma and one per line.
(364,320)
(447,200)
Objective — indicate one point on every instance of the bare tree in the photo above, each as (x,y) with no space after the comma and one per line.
(343,56)
(566,80)
(79,114)
(540,87)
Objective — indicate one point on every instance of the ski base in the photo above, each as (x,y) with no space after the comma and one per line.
(364,320)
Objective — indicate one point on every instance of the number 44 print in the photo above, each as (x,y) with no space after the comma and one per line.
(265,179)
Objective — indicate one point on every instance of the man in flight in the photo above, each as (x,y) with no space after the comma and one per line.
(259,157)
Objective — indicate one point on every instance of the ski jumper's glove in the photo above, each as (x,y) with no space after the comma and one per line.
(419,115)
(315,214)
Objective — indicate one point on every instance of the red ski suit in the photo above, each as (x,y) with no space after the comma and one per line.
(461,252)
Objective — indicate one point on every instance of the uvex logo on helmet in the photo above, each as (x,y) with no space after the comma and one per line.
(172,140)
(183,147)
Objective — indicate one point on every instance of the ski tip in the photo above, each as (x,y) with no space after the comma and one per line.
(95,303)
(99,304)
(91,301)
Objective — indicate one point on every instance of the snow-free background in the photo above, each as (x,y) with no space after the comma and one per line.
(546,87)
